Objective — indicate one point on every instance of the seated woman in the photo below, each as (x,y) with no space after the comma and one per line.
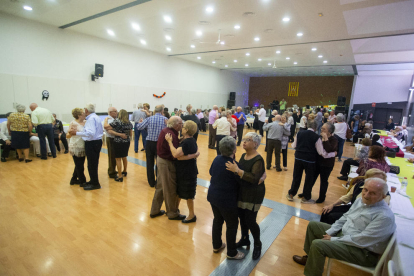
(376,159)
(363,154)
(375,140)
(390,125)
(334,211)
(364,133)
(222,195)
(410,147)
(250,169)
(186,170)
(59,134)
(398,133)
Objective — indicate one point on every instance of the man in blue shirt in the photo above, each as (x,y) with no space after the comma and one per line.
(92,135)
(240,125)
(154,125)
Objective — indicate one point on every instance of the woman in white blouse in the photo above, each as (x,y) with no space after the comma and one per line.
(77,147)
(340,134)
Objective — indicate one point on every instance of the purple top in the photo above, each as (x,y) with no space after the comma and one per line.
(212,116)
(200,115)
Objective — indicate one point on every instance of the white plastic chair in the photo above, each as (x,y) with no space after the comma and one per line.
(373,270)
(392,268)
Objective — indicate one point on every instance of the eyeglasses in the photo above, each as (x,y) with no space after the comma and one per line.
(247,140)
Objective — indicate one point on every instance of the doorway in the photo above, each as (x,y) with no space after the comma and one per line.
(382,115)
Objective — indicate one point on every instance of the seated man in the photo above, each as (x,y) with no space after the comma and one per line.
(359,236)
(59,134)
(362,154)
(5,140)
(34,137)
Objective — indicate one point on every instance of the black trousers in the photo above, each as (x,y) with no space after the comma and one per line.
(6,149)
(44,131)
(230,216)
(284,153)
(151,152)
(211,136)
(203,125)
(64,142)
(218,139)
(273,145)
(292,132)
(336,213)
(248,222)
(261,127)
(346,166)
(92,151)
(195,136)
(298,169)
(240,129)
(79,171)
(324,173)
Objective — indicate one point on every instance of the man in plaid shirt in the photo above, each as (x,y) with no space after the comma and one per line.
(154,125)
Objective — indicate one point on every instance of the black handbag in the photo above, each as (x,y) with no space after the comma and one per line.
(397,149)
(394,169)
(391,154)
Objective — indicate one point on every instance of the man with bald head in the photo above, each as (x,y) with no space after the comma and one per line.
(212,117)
(113,113)
(360,236)
(153,125)
(43,119)
(274,141)
(240,124)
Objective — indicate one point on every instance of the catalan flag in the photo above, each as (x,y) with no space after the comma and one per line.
(293,89)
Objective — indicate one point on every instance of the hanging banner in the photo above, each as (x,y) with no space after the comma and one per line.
(293,89)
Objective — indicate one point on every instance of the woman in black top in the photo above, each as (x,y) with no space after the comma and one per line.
(390,126)
(222,195)
(375,139)
(251,194)
(186,170)
(121,127)
(59,134)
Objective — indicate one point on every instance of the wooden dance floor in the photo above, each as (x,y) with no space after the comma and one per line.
(51,228)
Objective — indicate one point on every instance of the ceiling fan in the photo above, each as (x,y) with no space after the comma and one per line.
(219,41)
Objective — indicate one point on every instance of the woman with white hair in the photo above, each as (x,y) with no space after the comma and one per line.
(250,169)
(20,126)
(304,121)
(292,124)
(340,133)
(285,141)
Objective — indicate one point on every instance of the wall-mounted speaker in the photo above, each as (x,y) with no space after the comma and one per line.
(99,70)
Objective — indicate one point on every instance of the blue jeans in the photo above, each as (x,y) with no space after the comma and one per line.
(341,143)
(144,137)
(319,127)
(43,131)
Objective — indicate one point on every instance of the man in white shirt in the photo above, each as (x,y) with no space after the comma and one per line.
(5,140)
(262,118)
(223,127)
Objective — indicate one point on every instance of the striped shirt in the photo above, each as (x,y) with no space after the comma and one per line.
(154,125)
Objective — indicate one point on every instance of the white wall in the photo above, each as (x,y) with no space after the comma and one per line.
(381,87)
(36,57)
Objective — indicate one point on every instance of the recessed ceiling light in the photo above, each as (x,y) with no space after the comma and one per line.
(168,49)
(259,59)
(269,64)
(314,49)
(277,52)
(237,27)
(136,27)
(198,57)
(222,42)
(27,8)
(199,33)
(295,63)
(320,56)
(167,19)
(192,46)
(110,32)
(143,42)
(288,58)
(325,61)
(226,65)
(299,34)
(167,37)
(209,9)
(214,61)
(256,39)
(286,19)
(246,65)
(235,60)
(247,54)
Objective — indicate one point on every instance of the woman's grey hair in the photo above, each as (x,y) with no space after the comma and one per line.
(261,106)
(228,112)
(90,107)
(312,124)
(227,146)
(340,117)
(20,108)
(173,121)
(255,137)
(331,127)
(193,111)
(140,106)
(290,113)
(381,182)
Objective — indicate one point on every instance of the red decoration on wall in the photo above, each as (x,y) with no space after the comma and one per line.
(159,97)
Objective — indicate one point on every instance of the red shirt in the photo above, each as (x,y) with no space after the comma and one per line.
(235,117)
(163,149)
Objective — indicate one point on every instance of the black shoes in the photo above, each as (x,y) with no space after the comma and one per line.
(162,212)
(243,242)
(320,200)
(74,181)
(66,151)
(119,179)
(179,217)
(300,195)
(142,149)
(28,160)
(90,187)
(21,159)
(3,159)
(49,154)
(194,219)
(278,170)
(124,173)
(257,251)
(343,177)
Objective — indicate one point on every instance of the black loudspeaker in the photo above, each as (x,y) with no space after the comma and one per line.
(231,103)
(232,96)
(307,106)
(341,101)
(339,109)
(99,70)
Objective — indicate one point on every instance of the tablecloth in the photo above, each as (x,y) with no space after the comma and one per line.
(389,142)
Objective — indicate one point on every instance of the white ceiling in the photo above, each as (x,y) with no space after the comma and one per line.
(386,26)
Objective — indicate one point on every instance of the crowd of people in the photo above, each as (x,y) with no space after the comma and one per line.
(237,188)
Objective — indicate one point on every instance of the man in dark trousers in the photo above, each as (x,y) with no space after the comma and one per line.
(240,125)
(308,145)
